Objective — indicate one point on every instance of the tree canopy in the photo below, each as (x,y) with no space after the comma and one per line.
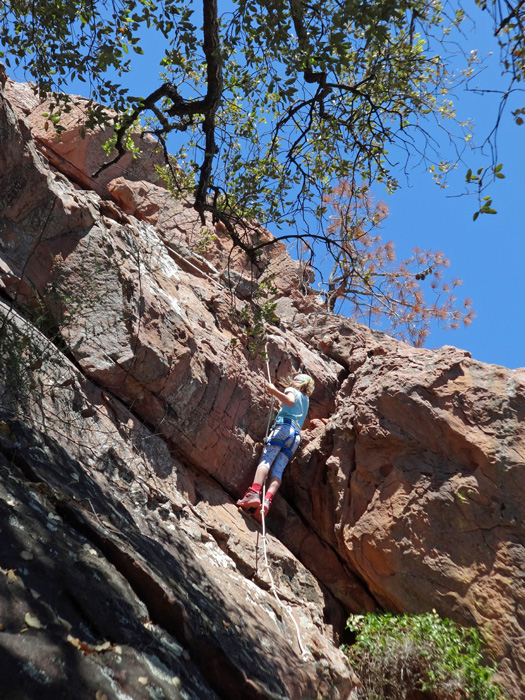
(269,106)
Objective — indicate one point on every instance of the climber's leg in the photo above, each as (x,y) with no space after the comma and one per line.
(264,467)
(274,444)
(252,498)
(290,444)
(290,438)
(273,485)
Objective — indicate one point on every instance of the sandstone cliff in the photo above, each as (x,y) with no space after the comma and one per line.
(126,570)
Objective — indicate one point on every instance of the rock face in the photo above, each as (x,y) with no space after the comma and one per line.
(423,465)
(127,570)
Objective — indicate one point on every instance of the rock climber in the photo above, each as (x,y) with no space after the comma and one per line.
(282,442)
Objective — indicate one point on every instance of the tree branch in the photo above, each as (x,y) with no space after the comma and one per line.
(182,108)
(514,13)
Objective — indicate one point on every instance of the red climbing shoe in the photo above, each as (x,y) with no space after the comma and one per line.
(250,501)
(263,507)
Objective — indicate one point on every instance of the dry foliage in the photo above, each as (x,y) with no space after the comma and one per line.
(367,283)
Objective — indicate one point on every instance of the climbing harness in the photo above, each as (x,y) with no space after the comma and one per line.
(282,443)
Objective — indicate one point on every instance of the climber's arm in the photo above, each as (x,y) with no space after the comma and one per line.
(287,397)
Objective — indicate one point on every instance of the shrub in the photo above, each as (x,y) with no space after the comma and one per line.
(401,657)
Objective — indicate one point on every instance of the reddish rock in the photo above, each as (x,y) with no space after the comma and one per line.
(23,96)
(79,153)
(151,336)
(422,467)
(406,493)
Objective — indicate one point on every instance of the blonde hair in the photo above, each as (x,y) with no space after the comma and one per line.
(300,381)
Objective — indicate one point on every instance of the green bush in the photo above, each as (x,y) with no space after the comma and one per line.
(400,657)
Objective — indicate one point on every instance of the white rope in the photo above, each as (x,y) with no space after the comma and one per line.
(270,414)
(267,358)
(304,651)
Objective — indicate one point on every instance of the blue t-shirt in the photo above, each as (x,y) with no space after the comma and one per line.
(297,412)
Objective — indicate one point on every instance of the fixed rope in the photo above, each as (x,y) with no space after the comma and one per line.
(304,651)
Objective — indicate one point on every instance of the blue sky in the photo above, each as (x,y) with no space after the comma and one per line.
(487,255)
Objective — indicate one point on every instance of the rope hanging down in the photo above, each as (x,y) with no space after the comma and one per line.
(269,382)
(304,652)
